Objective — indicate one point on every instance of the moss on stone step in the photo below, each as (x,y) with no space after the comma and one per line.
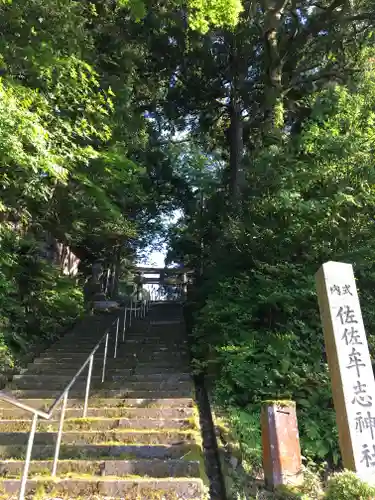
(100,451)
(107,402)
(183,393)
(157,468)
(178,488)
(43,495)
(157,412)
(127,436)
(100,423)
(135,444)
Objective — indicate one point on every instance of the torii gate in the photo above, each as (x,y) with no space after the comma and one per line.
(174,276)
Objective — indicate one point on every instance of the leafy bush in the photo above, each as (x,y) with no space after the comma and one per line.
(36,303)
(347,486)
(307,201)
(341,486)
(266,343)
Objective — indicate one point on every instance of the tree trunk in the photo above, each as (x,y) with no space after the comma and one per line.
(274,119)
(237,177)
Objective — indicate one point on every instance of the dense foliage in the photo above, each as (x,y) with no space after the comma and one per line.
(291,186)
(254,119)
(36,302)
(309,199)
(261,314)
(79,159)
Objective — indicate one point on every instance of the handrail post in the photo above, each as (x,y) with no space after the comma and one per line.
(124,325)
(131,312)
(116,341)
(59,435)
(30,444)
(88,383)
(105,356)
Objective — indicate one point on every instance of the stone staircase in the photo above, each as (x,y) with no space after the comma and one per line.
(141,437)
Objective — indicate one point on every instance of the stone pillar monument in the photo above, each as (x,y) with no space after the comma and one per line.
(282,462)
(352,378)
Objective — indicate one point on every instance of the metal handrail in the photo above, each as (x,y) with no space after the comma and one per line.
(46,415)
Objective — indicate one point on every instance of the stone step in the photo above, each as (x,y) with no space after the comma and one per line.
(154,341)
(140,352)
(153,468)
(123,361)
(127,412)
(34,382)
(127,361)
(155,344)
(139,439)
(134,436)
(142,366)
(113,364)
(116,403)
(124,374)
(130,367)
(143,370)
(131,489)
(101,423)
(128,341)
(93,324)
(102,451)
(106,393)
(150,334)
(167,335)
(136,373)
(130,338)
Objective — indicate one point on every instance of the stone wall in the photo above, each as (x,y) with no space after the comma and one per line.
(51,249)
(61,255)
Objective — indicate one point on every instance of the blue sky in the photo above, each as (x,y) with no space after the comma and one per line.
(155,258)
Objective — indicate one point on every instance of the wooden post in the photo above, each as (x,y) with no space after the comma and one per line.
(352,378)
(282,462)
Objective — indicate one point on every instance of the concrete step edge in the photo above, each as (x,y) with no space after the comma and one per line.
(99,424)
(103,437)
(108,402)
(108,376)
(106,393)
(99,451)
(157,468)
